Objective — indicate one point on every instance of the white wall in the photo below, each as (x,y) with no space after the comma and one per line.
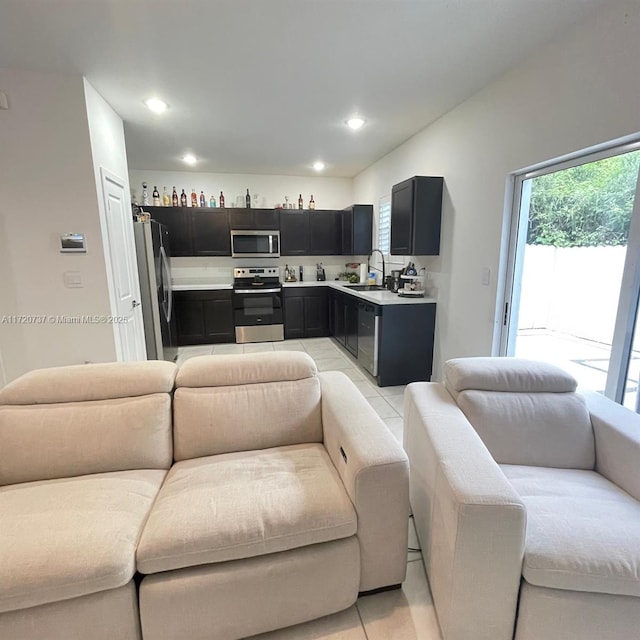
(577,92)
(328,193)
(47,187)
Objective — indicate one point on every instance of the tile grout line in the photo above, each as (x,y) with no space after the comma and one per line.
(364,628)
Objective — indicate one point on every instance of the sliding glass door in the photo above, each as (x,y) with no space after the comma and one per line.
(573,277)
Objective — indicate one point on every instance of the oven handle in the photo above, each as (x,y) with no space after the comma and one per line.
(257,290)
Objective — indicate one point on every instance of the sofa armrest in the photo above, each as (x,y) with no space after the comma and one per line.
(470,521)
(617,435)
(375,472)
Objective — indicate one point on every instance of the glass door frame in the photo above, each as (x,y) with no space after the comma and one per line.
(512,260)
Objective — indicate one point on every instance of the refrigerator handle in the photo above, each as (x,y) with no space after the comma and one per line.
(166,283)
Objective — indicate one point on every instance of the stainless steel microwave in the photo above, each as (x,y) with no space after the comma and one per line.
(261,243)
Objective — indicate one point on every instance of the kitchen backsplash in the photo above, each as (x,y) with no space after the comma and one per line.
(220,270)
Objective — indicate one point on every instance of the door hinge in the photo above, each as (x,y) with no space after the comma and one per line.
(506,314)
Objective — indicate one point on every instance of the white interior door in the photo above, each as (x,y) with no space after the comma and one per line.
(124,285)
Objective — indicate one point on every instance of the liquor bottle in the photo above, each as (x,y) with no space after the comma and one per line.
(212,202)
(203,200)
(174,198)
(156,197)
(221,200)
(248,200)
(300,203)
(312,203)
(166,201)
(194,198)
(183,199)
(145,195)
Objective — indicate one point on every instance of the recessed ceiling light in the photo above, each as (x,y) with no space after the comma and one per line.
(189,158)
(156,105)
(355,123)
(318,166)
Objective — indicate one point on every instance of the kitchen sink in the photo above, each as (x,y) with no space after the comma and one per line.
(366,287)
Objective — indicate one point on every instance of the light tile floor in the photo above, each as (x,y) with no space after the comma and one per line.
(403,614)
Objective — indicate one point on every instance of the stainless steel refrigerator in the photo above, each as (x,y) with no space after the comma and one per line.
(154,271)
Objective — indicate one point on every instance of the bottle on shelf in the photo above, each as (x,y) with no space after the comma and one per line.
(145,195)
(300,202)
(194,198)
(156,197)
(248,200)
(203,200)
(212,202)
(285,204)
(174,197)
(166,200)
(221,200)
(183,199)
(312,203)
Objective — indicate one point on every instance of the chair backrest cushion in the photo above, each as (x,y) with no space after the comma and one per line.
(526,412)
(84,419)
(226,403)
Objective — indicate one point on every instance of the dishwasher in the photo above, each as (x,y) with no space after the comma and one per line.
(368,327)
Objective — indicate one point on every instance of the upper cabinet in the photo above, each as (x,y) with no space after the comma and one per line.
(210,232)
(294,233)
(178,223)
(254,219)
(416,213)
(357,230)
(324,233)
(196,231)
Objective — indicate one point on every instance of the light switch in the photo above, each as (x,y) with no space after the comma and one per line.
(486,276)
(72,279)
(4,102)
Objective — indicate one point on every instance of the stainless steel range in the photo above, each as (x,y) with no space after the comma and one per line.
(257,304)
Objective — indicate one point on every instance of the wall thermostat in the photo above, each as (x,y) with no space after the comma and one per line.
(72,243)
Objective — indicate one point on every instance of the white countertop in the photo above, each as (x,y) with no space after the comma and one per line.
(375,297)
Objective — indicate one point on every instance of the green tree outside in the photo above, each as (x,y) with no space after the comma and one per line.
(586,206)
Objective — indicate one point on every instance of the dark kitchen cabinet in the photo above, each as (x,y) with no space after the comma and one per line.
(325,233)
(357,230)
(416,213)
(178,223)
(306,312)
(254,219)
(294,233)
(210,232)
(203,317)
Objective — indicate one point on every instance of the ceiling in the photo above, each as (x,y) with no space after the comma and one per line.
(264,86)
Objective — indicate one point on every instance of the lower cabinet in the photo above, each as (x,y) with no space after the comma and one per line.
(306,312)
(203,317)
(393,342)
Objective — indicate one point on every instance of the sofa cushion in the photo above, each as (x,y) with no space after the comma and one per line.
(42,442)
(60,539)
(228,370)
(245,504)
(516,375)
(77,383)
(543,429)
(583,532)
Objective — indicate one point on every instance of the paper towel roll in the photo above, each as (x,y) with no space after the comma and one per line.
(363,272)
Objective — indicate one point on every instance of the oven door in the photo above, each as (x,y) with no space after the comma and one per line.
(255,244)
(257,308)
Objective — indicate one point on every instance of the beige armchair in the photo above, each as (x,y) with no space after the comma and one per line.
(526,502)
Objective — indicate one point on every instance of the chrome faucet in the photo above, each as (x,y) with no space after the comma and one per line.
(383,268)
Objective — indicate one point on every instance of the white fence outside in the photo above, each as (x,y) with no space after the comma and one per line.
(572,290)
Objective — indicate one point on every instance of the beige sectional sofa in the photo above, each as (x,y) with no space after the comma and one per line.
(526,498)
(285,497)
